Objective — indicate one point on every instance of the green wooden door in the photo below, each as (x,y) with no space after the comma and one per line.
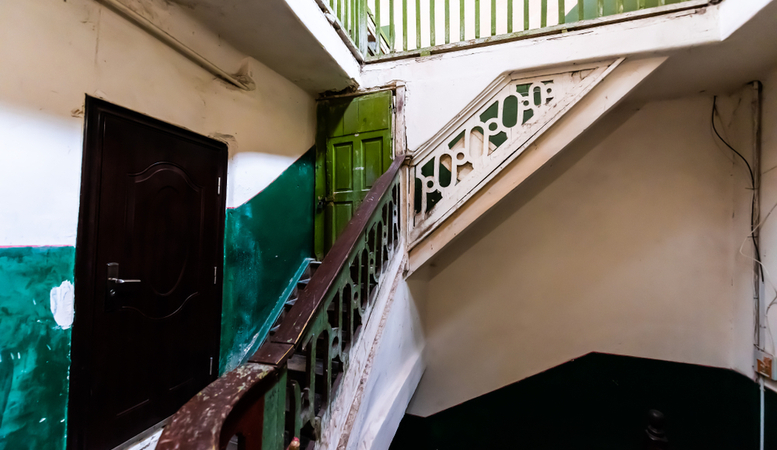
(355,137)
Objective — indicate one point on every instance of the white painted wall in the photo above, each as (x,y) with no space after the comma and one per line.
(53,53)
(769,200)
(628,243)
(397,366)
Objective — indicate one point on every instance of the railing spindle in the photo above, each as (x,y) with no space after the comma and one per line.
(417,23)
(493,17)
(535,16)
(562,17)
(339,10)
(344,17)
(525,15)
(404,25)
(447,21)
(461,20)
(392,35)
(377,26)
(432,31)
(477,19)
(509,16)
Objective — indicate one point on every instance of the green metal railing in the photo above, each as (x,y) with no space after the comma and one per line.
(396,28)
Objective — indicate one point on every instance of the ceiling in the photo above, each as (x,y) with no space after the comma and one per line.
(269,31)
(748,54)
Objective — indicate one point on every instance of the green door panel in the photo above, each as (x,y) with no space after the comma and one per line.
(353,163)
(353,149)
(359,114)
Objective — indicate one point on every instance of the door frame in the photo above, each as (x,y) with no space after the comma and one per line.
(86,250)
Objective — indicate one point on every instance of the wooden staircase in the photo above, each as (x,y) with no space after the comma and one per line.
(287,388)
(302,283)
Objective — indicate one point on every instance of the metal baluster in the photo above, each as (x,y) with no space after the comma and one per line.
(404,25)
(477,19)
(544,14)
(493,17)
(362,25)
(525,14)
(432,31)
(581,9)
(377,27)
(618,6)
(509,16)
(417,23)
(562,17)
(447,21)
(392,34)
(461,20)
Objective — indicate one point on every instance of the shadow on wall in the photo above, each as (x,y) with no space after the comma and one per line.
(600,401)
(266,241)
(35,317)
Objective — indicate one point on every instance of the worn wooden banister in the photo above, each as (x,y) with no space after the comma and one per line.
(285,387)
(219,411)
(310,299)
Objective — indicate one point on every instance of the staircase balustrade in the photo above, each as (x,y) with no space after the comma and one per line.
(492,131)
(389,29)
(284,389)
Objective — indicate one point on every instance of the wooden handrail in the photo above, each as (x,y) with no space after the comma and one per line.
(235,403)
(214,415)
(296,323)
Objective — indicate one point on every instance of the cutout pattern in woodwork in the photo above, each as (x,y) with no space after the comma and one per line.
(491,132)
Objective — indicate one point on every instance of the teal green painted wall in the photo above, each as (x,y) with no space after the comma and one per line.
(35,351)
(266,241)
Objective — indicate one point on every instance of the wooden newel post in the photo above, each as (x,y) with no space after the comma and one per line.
(655,433)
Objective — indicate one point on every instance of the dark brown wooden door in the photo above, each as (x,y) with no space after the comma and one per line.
(148,305)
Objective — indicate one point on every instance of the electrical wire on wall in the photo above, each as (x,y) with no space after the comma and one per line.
(759,275)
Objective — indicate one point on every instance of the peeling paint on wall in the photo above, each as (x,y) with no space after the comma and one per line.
(36,311)
(266,241)
(61,299)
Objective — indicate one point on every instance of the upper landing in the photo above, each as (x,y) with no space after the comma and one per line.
(331,45)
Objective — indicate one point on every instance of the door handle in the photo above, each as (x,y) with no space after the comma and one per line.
(113,274)
(120,281)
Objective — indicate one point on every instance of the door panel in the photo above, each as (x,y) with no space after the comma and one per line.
(353,163)
(354,149)
(149,255)
(375,160)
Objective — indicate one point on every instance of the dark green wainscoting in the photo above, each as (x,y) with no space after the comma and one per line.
(267,240)
(600,402)
(34,349)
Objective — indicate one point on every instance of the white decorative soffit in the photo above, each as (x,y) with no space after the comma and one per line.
(491,132)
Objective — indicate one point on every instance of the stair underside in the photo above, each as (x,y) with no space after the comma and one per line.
(542,148)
